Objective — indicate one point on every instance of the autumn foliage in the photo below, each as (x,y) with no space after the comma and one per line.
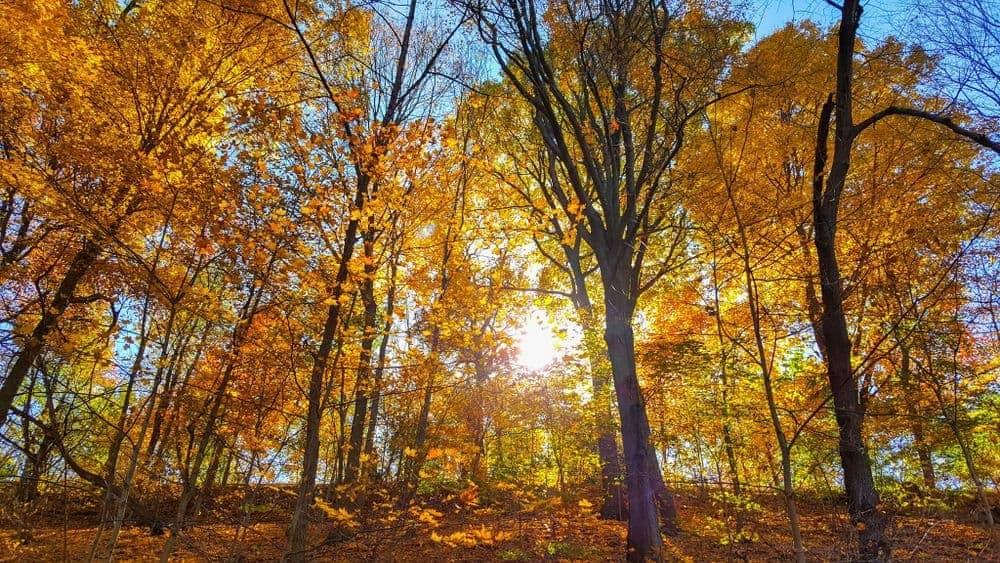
(495,279)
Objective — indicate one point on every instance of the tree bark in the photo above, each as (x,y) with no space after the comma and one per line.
(34,467)
(648,498)
(411,474)
(924,455)
(863,501)
(727,432)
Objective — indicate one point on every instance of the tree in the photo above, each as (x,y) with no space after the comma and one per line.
(863,500)
(612,111)
(523,166)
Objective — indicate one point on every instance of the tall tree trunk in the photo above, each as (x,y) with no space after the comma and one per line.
(34,468)
(762,360)
(310,454)
(411,473)
(158,379)
(50,315)
(122,494)
(28,486)
(613,502)
(166,398)
(121,431)
(225,471)
(951,416)
(173,415)
(970,464)
(788,487)
(644,541)
(727,432)
(191,476)
(338,475)
(924,455)
(390,310)
(363,384)
(377,381)
(122,502)
(410,469)
(863,501)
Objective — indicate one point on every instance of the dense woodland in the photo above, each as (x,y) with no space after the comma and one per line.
(271,268)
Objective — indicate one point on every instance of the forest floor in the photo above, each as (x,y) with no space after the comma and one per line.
(249,525)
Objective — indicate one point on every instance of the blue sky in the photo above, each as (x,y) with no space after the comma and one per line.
(772,14)
(879,17)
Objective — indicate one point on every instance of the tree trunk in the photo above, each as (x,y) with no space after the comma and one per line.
(225,470)
(642,473)
(613,503)
(34,467)
(924,456)
(111,467)
(310,458)
(390,309)
(50,315)
(377,389)
(916,423)
(190,478)
(127,482)
(166,398)
(790,506)
(970,464)
(967,457)
(173,416)
(754,308)
(613,506)
(727,431)
(862,499)
(310,454)
(362,386)
(411,475)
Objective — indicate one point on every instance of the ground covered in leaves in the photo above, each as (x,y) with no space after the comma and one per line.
(247,524)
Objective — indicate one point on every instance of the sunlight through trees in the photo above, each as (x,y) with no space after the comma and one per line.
(498,280)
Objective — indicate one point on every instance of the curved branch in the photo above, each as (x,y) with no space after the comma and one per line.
(977,137)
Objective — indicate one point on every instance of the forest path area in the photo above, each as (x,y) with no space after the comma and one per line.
(240,527)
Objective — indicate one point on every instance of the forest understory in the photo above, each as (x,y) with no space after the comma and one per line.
(239,523)
(280,279)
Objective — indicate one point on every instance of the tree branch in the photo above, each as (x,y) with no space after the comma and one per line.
(980,139)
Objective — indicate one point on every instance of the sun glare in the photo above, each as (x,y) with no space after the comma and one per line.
(537,345)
